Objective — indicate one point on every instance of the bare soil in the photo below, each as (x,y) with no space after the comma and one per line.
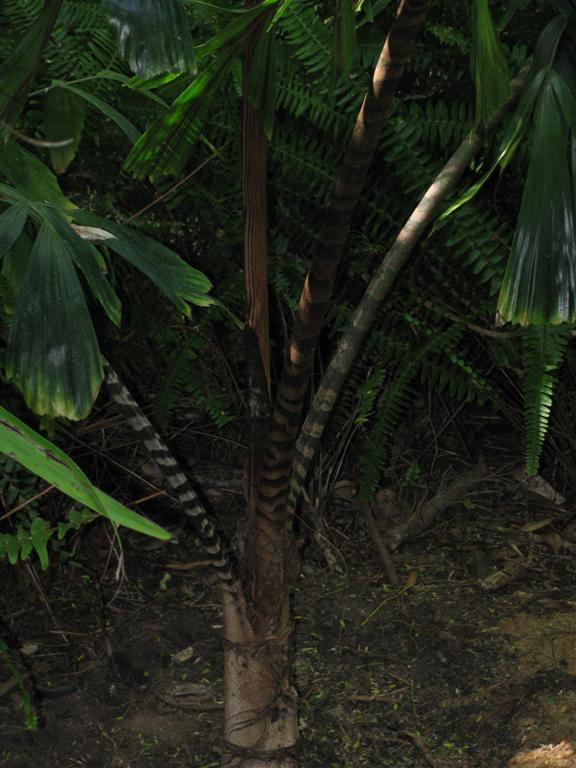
(123,644)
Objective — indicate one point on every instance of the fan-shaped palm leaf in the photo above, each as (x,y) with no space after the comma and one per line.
(53,354)
(12,223)
(489,68)
(540,282)
(164,148)
(180,282)
(153,36)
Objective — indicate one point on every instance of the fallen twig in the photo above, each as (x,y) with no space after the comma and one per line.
(424,517)
(383,551)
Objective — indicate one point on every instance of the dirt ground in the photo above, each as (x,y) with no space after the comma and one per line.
(123,643)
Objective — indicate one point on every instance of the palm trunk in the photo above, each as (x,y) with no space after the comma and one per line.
(261,729)
(260,709)
(260,716)
(268,567)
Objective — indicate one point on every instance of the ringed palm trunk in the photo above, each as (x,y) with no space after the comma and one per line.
(260,704)
(260,716)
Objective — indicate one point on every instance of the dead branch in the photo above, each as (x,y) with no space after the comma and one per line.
(423,518)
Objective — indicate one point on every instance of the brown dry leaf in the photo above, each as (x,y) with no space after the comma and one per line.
(555,542)
(344,489)
(181,657)
(28,649)
(535,525)
(523,596)
(540,486)
(411,579)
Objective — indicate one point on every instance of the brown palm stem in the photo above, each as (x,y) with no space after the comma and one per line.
(268,576)
(379,287)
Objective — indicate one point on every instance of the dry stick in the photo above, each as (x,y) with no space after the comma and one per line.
(44,143)
(173,188)
(424,517)
(379,542)
(396,257)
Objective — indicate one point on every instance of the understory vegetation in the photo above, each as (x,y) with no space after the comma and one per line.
(131,209)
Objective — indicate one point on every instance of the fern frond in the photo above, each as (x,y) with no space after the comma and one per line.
(186,374)
(544,350)
(82,41)
(439,123)
(308,36)
(394,400)
(390,407)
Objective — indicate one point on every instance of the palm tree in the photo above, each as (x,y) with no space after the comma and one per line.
(260,701)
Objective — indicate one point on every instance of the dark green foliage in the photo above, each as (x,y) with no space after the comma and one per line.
(438,122)
(81,42)
(309,38)
(458,269)
(187,374)
(168,49)
(544,352)
(20,673)
(396,395)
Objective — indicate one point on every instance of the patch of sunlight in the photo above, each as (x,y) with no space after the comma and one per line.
(562,755)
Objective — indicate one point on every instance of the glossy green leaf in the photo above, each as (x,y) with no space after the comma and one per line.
(40,533)
(12,222)
(164,148)
(514,133)
(232,33)
(53,354)
(19,68)
(25,541)
(566,54)
(46,460)
(12,547)
(64,114)
(566,98)
(153,36)
(548,42)
(178,281)
(345,37)
(31,178)
(10,195)
(540,282)
(283,6)
(143,84)
(87,258)
(122,122)
(489,68)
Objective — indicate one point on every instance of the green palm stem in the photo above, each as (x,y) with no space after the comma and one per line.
(379,287)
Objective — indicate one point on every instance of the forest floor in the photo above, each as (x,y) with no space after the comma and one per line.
(443,671)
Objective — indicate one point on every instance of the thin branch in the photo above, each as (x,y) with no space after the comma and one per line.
(173,189)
